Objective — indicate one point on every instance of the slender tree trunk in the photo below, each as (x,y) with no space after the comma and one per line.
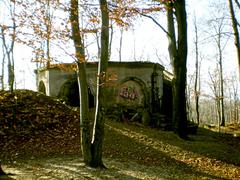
(10,63)
(84,113)
(197,78)
(221,97)
(110,39)
(9,50)
(82,82)
(3,62)
(98,130)
(218,112)
(120,44)
(216,91)
(13,38)
(178,56)
(10,75)
(48,25)
(236,32)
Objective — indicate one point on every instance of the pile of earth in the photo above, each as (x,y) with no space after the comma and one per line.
(31,122)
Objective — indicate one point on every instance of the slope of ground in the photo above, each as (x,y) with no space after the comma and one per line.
(40,140)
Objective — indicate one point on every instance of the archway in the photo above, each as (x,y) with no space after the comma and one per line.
(69,92)
(41,87)
(132,90)
(167,100)
(132,99)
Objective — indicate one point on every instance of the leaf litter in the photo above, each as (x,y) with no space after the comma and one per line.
(40,140)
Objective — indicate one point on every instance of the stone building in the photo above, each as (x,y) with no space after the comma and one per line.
(134,88)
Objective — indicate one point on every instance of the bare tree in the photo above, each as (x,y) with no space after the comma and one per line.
(8,36)
(48,25)
(82,82)
(234,96)
(197,72)
(92,150)
(215,87)
(220,35)
(178,55)
(178,50)
(3,61)
(98,128)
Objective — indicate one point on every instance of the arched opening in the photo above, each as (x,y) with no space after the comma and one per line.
(132,99)
(135,87)
(41,87)
(69,92)
(167,100)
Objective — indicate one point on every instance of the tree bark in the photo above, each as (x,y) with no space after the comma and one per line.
(3,61)
(82,82)
(48,24)
(197,77)
(120,44)
(178,56)
(236,32)
(221,97)
(10,51)
(10,57)
(98,129)
(222,93)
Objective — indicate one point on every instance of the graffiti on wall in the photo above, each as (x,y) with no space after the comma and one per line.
(128,92)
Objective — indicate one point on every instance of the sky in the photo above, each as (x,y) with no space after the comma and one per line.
(144,42)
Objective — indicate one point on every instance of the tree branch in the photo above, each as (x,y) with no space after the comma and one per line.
(154,20)
(148,16)
(238,4)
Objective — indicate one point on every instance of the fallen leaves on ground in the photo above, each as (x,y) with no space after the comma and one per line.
(40,138)
(33,122)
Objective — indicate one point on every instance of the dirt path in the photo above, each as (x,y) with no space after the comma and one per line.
(130,152)
(72,167)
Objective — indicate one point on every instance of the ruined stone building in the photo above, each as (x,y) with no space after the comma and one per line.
(134,88)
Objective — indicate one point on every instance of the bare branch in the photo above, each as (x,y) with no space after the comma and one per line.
(136,10)
(154,20)
(238,4)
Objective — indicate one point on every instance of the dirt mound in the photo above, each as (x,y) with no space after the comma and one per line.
(37,121)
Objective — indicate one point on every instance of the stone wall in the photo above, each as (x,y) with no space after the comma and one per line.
(137,86)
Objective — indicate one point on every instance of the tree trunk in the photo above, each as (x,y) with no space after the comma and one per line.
(178,56)
(48,25)
(197,77)
(84,113)
(218,112)
(10,75)
(3,61)
(10,60)
(236,33)
(9,48)
(82,82)
(120,44)
(221,97)
(98,129)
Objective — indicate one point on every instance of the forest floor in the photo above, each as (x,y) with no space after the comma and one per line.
(39,139)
